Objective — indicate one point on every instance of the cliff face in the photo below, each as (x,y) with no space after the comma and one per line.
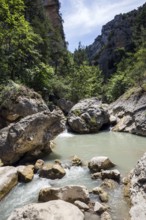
(116,38)
(52,8)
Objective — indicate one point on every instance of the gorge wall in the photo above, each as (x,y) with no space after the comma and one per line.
(117,37)
(52,8)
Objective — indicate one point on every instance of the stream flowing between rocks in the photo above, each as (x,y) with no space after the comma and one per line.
(123,149)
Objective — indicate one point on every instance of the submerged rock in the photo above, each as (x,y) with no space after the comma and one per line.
(52,171)
(103,196)
(66,193)
(8,179)
(97,164)
(109,184)
(91,216)
(30,135)
(106,216)
(50,210)
(126,187)
(88,116)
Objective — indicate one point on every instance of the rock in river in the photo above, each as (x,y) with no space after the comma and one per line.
(52,171)
(97,164)
(88,116)
(130,111)
(30,135)
(66,193)
(8,179)
(25,173)
(54,210)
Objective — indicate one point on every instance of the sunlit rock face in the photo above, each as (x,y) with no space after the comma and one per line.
(138,190)
(130,112)
(28,125)
(115,40)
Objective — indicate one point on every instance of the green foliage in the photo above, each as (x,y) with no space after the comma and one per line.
(139,71)
(85,81)
(18,42)
(121,80)
(33,53)
(80,55)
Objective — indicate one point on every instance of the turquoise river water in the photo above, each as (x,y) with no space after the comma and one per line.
(123,149)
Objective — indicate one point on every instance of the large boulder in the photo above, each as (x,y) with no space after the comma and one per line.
(88,116)
(138,190)
(31,135)
(18,101)
(52,171)
(50,210)
(130,112)
(8,179)
(99,163)
(66,193)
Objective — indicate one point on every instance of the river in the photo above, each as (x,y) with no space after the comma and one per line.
(123,149)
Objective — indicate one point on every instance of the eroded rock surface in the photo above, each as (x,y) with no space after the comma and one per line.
(138,190)
(99,163)
(30,135)
(67,193)
(52,171)
(88,116)
(8,179)
(18,101)
(130,111)
(54,210)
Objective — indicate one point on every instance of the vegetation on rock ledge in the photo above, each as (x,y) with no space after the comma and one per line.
(31,53)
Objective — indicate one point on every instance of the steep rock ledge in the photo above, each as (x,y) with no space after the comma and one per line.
(116,38)
(138,190)
(130,112)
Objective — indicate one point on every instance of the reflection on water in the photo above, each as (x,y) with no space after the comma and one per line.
(123,149)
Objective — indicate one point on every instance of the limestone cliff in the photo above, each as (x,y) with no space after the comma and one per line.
(52,8)
(117,38)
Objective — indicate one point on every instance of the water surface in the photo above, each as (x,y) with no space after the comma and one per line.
(123,149)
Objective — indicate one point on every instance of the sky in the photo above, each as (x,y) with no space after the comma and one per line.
(83,19)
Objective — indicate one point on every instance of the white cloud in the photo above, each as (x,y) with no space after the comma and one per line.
(82,17)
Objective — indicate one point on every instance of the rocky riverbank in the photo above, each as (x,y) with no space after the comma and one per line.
(127,114)
(28,125)
(27,130)
(73,197)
